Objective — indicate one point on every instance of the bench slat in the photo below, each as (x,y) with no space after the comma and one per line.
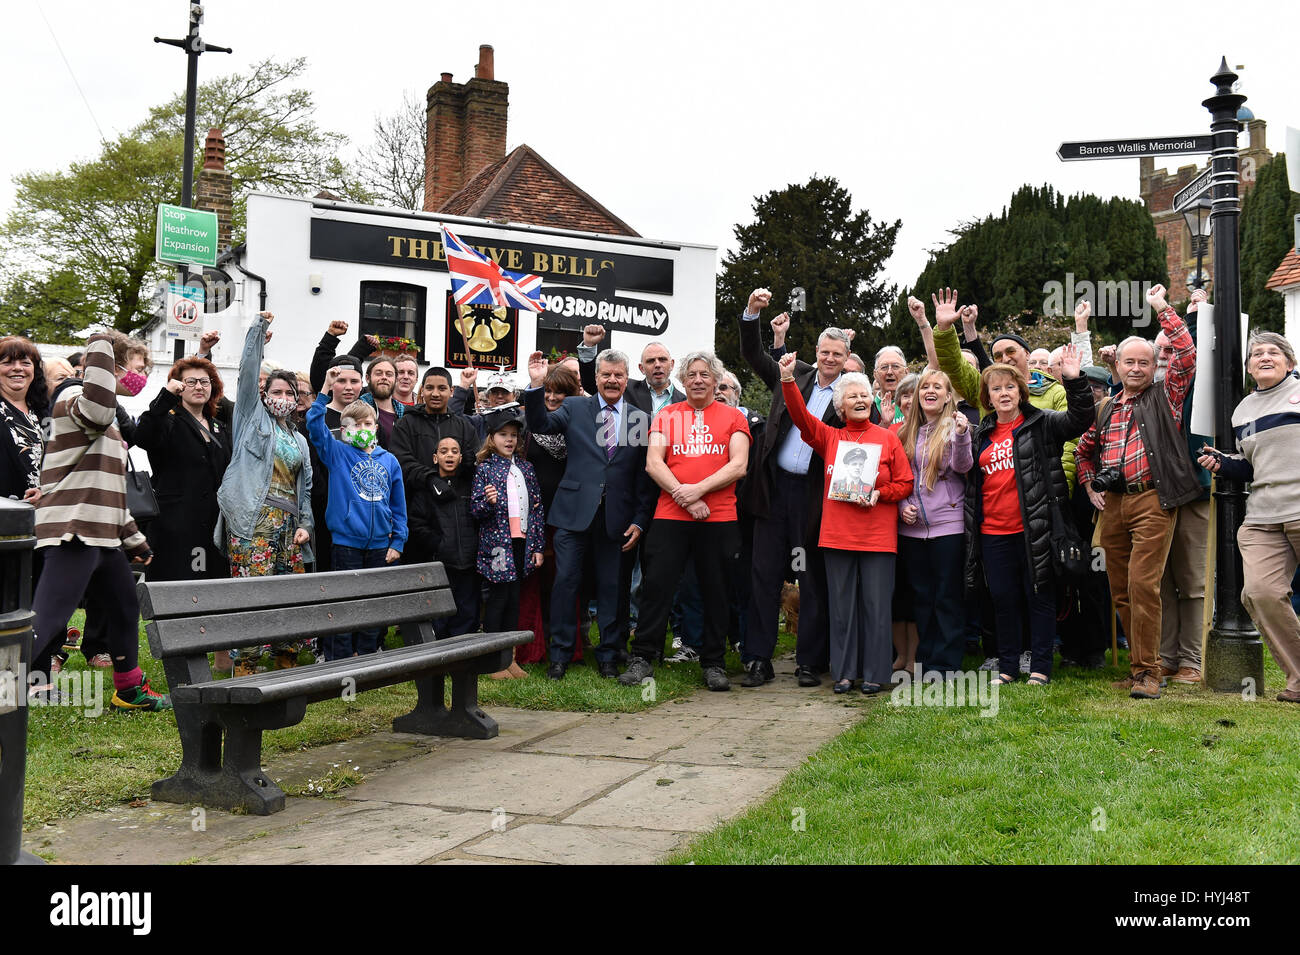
(181,636)
(326,680)
(161,600)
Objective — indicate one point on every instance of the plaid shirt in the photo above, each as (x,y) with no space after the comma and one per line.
(1121,445)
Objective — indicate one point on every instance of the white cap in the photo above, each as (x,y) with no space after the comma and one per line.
(500,380)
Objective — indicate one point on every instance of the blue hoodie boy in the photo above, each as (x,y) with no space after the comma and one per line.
(367,502)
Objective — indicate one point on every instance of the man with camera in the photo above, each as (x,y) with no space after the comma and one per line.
(1134,464)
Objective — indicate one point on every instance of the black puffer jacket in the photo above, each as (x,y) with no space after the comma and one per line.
(1036,442)
(441,526)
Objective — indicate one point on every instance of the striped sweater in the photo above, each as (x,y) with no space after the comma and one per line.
(83,477)
(1266,426)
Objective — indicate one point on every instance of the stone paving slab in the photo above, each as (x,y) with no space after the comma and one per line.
(776,744)
(679,798)
(518,727)
(582,845)
(159,833)
(766,705)
(629,735)
(532,784)
(290,771)
(360,833)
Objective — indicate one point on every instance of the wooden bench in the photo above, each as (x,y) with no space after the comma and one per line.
(221,721)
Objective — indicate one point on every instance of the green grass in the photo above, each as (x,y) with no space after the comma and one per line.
(1074,772)
(78,763)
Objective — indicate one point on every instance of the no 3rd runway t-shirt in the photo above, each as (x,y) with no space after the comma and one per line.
(1001,497)
(699,444)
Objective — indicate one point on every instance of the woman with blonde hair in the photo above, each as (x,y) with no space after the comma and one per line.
(932,532)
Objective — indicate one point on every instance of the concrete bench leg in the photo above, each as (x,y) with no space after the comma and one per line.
(231,779)
(464,720)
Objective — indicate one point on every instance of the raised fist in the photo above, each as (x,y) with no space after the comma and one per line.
(1156,297)
(338,328)
(593,334)
(759,299)
(917,309)
(786,364)
(468,377)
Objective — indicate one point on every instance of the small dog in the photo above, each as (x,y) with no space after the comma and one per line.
(790,608)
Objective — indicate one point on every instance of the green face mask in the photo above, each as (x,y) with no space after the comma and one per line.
(363,438)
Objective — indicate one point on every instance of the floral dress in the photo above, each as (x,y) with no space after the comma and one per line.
(271,551)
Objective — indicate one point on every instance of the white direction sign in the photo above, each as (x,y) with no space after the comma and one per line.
(1198,187)
(184,311)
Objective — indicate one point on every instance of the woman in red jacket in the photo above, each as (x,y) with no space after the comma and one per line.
(866,468)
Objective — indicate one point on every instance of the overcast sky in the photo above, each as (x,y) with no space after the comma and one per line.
(676,114)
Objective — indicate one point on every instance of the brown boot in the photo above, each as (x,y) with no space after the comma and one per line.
(1189,675)
(1146,687)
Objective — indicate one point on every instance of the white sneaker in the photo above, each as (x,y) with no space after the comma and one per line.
(990,664)
(677,643)
(1025,662)
(683,655)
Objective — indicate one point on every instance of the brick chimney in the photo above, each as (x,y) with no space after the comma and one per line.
(467,129)
(213,192)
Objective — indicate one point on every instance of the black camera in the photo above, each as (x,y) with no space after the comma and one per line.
(1108,479)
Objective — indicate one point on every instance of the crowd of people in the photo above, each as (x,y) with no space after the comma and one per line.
(922,515)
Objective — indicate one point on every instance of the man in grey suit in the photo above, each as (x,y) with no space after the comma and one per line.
(604,503)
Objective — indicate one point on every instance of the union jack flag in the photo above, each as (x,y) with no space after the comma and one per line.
(477,280)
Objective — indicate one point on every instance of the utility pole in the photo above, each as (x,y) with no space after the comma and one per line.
(194,47)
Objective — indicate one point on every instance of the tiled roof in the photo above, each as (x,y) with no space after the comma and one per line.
(524,187)
(1286,274)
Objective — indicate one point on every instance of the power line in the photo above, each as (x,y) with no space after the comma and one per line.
(75,83)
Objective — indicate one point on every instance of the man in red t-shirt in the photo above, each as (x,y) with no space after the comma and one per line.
(698,449)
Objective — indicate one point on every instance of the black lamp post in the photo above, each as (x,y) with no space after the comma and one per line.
(1197,217)
(1234,656)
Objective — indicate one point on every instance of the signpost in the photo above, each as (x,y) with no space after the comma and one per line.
(185,236)
(1198,187)
(184,311)
(1234,656)
(1132,148)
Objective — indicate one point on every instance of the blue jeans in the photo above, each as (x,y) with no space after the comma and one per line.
(361,641)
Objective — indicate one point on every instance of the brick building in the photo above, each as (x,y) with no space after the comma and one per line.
(1158,187)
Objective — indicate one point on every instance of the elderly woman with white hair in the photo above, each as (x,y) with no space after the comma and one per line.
(699,449)
(1266,426)
(866,470)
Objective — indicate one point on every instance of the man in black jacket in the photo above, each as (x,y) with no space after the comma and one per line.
(784,495)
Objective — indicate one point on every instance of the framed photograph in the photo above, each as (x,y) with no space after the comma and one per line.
(853,474)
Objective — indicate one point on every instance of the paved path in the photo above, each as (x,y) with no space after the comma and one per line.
(553,787)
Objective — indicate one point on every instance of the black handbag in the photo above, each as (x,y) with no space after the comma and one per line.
(140,499)
(1070,557)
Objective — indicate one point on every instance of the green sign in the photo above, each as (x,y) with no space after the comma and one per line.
(186,236)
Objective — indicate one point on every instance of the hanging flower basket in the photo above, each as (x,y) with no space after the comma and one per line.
(391,346)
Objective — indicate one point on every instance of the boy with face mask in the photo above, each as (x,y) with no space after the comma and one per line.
(366,514)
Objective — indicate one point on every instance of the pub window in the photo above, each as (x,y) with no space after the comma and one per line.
(393,309)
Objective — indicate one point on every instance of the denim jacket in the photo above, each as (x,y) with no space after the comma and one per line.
(248,476)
